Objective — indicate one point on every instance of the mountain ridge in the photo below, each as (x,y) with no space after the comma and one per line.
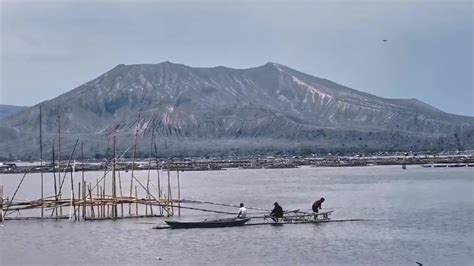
(271,101)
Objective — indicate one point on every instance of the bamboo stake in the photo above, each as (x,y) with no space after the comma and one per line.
(133,161)
(79,198)
(68,164)
(136,204)
(70,206)
(151,195)
(41,158)
(148,189)
(114,192)
(90,197)
(151,208)
(179,195)
(102,200)
(158,177)
(84,200)
(55,184)
(149,170)
(149,198)
(103,191)
(83,183)
(72,194)
(107,170)
(98,204)
(120,187)
(59,156)
(1,204)
(14,194)
(169,190)
(59,139)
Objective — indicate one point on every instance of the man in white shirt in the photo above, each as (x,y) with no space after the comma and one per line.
(242,211)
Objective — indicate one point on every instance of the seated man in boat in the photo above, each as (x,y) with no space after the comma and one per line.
(242,211)
(277,212)
(317,205)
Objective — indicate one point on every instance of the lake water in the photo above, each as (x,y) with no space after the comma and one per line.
(418,214)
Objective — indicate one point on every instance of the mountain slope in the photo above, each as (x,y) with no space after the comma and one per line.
(276,106)
(9,110)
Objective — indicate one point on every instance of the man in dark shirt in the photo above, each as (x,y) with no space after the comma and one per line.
(317,206)
(277,212)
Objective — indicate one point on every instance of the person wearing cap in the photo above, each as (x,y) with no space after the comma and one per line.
(277,212)
(242,211)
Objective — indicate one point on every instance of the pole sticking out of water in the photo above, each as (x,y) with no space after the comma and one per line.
(98,198)
(70,207)
(59,156)
(136,201)
(158,177)
(114,188)
(55,184)
(179,194)
(120,189)
(72,196)
(148,176)
(41,158)
(59,139)
(90,197)
(170,204)
(133,163)
(79,196)
(67,167)
(148,190)
(14,194)
(1,203)
(83,183)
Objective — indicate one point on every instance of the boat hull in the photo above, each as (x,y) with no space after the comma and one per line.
(208,224)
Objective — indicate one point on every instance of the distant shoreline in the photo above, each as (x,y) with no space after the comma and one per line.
(242,162)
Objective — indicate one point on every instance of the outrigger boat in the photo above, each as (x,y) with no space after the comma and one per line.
(294,217)
(228,222)
(290,217)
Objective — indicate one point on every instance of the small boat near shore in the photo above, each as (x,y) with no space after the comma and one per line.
(228,222)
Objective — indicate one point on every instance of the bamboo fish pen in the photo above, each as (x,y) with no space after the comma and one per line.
(96,200)
(91,201)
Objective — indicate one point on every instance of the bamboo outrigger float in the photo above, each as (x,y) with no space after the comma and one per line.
(298,217)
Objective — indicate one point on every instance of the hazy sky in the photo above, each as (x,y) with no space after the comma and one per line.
(48,48)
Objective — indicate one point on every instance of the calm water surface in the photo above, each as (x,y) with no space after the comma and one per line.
(418,214)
